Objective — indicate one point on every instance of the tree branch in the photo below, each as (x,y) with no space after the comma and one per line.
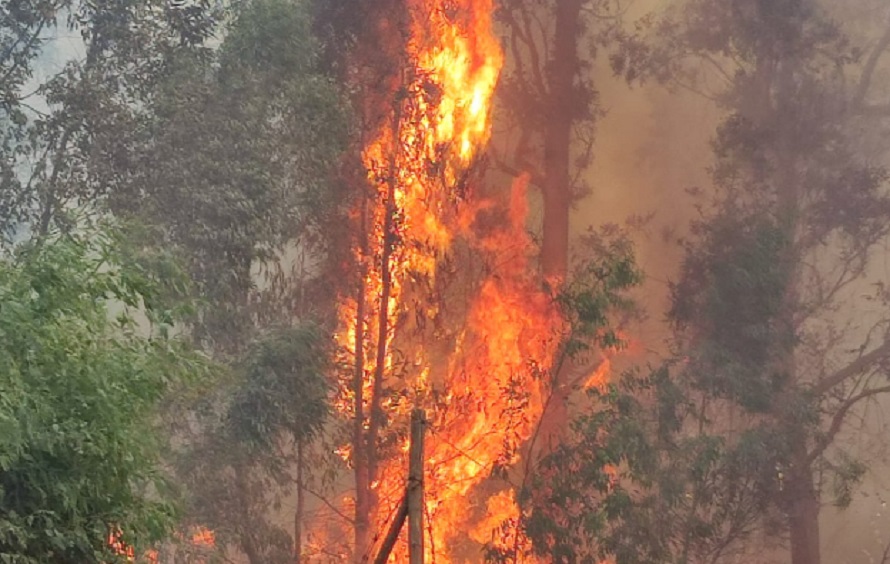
(28,45)
(869,70)
(537,66)
(859,365)
(514,171)
(837,421)
(330,506)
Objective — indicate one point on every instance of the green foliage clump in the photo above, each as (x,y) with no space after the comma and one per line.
(81,382)
(633,488)
(730,299)
(596,290)
(253,433)
(284,388)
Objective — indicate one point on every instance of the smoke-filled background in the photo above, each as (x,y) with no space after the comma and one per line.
(629,257)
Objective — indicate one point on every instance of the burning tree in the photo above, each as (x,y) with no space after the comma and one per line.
(446,309)
(547,124)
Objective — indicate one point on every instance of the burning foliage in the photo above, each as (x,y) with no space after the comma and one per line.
(470,346)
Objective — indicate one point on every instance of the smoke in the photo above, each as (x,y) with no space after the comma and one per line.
(653,147)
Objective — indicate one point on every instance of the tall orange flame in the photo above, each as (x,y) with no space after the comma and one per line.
(480,385)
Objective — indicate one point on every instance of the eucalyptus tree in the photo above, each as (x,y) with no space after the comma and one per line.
(72,78)
(780,325)
(230,170)
(546,125)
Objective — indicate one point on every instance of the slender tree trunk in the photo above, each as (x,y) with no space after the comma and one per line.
(301,504)
(563,70)
(359,446)
(383,327)
(414,493)
(803,513)
(49,205)
(379,56)
(248,544)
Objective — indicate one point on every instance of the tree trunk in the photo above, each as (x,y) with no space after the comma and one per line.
(380,56)
(561,114)
(362,541)
(803,514)
(563,70)
(414,493)
(301,504)
(248,543)
(377,416)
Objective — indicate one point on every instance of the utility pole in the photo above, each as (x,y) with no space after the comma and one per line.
(411,506)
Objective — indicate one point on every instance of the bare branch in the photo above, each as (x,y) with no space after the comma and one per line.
(869,70)
(537,64)
(329,505)
(864,362)
(837,420)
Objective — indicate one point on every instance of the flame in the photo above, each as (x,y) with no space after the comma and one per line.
(602,374)
(118,546)
(484,394)
(600,377)
(201,538)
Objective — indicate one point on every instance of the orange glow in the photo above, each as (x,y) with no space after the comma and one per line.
(119,547)
(602,374)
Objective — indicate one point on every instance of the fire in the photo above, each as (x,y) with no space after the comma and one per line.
(119,547)
(600,377)
(201,538)
(481,385)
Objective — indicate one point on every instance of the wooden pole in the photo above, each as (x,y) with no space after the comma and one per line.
(411,506)
(415,488)
(392,535)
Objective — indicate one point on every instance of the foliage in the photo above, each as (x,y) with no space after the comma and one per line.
(241,465)
(735,435)
(645,484)
(81,380)
(733,287)
(597,291)
(284,388)
(61,131)
(232,168)
(592,302)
